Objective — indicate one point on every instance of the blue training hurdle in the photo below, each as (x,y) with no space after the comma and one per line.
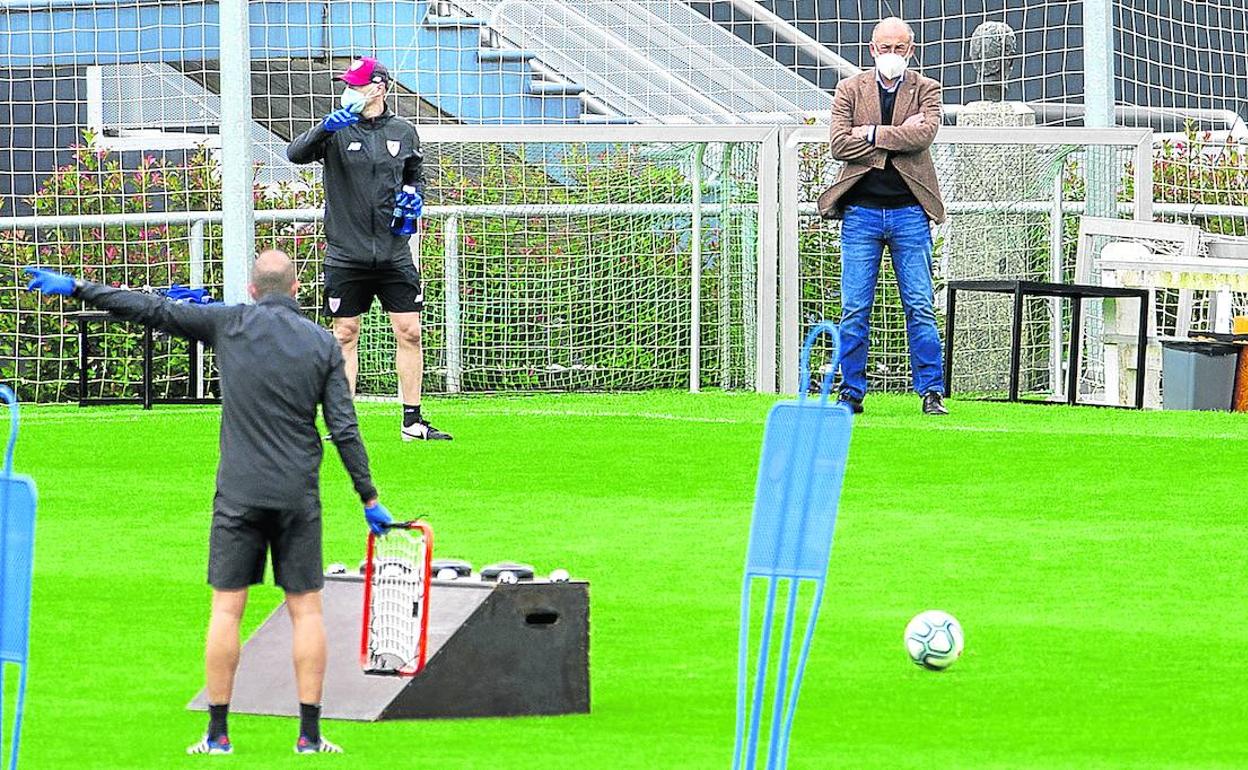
(17,552)
(800,474)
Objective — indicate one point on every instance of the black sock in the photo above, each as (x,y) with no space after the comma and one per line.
(411,415)
(310,722)
(217,716)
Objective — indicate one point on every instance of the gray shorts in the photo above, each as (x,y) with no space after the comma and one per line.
(242,535)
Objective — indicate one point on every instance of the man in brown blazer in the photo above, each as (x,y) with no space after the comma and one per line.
(883,124)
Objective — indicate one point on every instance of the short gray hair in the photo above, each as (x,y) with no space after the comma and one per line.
(273,273)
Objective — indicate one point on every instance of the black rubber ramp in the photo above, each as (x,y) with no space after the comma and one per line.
(494,650)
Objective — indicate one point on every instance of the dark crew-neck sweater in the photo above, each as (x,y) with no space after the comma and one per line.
(882,188)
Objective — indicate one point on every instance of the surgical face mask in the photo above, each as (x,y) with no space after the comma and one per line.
(350,98)
(890,65)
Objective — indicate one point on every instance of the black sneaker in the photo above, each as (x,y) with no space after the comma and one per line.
(855,404)
(423,431)
(934,403)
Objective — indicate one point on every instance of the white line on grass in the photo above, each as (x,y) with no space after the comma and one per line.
(30,416)
(875,424)
(34,417)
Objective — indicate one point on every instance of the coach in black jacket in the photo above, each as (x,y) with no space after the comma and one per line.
(373,166)
(277,367)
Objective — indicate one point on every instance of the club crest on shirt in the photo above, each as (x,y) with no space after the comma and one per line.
(334,304)
(393,146)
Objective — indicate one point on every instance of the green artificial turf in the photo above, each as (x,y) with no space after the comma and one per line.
(1096,559)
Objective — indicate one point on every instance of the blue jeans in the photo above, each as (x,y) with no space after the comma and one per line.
(906,232)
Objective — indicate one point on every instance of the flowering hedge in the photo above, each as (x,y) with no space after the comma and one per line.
(535,306)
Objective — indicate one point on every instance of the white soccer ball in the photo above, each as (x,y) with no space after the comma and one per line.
(559,576)
(507,576)
(446,573)
(934,640)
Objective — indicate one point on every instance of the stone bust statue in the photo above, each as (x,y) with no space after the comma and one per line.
(994,53)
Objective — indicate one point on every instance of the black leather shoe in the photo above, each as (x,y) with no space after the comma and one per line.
(854,403)
(934,403)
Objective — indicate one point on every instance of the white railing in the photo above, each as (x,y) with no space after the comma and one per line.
(777,216)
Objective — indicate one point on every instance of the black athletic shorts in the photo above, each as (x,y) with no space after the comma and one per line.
(349,291)
(241,536)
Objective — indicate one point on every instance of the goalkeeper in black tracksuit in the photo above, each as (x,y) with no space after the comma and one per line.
(373,196)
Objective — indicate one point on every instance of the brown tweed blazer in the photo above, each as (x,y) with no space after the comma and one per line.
(857,103)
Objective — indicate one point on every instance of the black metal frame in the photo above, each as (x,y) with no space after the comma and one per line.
(1076,293)
(146,399)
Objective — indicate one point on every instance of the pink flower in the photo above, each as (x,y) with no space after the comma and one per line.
(470,241)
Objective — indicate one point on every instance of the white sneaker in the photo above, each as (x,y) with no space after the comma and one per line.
(423,431)
(305,746)
(220,746)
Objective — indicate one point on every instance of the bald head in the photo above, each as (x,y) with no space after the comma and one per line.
(273,273)
(892,27)
(892,35)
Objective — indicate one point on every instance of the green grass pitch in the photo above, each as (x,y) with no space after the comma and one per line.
(1096,559)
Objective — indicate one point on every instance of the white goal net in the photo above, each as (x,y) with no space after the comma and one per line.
(582,262)
(396,609)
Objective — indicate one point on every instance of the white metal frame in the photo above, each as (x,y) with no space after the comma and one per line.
(776,302)
(791,209)
(767,139)
(1185,268)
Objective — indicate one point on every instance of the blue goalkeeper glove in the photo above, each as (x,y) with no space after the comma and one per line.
(341,118)
(408,205)
(377,516)
(411,203)
(179,293)
(50,282)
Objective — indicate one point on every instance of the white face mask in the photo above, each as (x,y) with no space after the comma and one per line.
(890,65)
(350,98)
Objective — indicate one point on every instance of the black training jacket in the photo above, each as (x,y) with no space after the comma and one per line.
(277,367)
(365,165)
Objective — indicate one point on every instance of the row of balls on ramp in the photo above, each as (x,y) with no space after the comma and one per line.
(456,569)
